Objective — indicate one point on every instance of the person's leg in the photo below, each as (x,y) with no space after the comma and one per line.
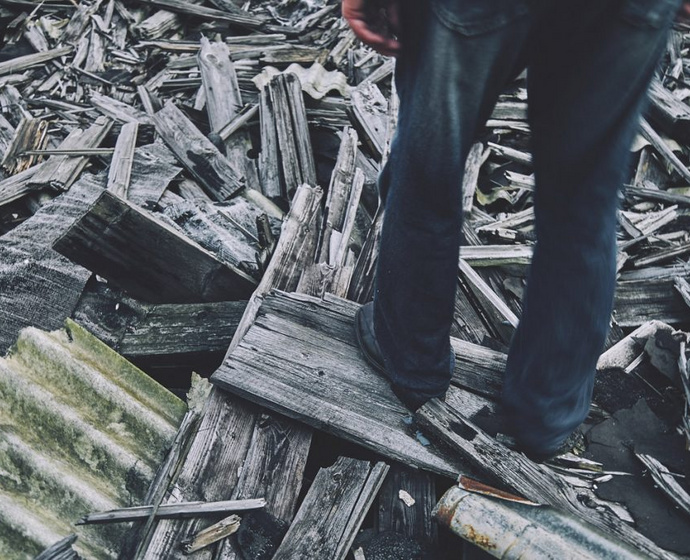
(587,79)
(457,55)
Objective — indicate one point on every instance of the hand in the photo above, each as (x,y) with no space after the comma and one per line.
(375,23)
(684,12)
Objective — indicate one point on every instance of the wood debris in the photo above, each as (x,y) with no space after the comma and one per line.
(194,180)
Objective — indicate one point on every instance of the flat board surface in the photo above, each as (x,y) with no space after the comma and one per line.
(301,358)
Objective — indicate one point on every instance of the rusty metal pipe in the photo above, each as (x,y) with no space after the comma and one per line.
(512,531)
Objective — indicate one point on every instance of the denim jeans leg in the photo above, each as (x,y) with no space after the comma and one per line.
(447,83)
(587,81)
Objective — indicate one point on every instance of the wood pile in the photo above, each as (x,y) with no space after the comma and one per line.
(166,165)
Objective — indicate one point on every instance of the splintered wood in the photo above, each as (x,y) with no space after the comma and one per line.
(167,166)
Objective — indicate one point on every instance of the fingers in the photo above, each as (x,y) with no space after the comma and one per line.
(372,26)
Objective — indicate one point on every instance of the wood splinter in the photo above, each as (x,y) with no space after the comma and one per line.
(214,533)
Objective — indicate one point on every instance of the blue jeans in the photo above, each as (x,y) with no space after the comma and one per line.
(589,65)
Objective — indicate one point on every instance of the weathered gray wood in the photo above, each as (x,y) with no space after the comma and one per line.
(59,172)
(123,159)
(370,109)
(683,288)
(117,110)
(332,511)
(661,196)
(662,256)
(362,282)
(215,231)
(416,520)
(16,186)
(220,450)
(638,300)
(272,184)
(475,159)
(39,287)
(29,135)
(158,24)
(293,141)
(669,112)
(298,114)
(308,366)
(496,255)
(145,256)
(501,317)
(153,168)
(664,151)
(339,189)
(137,330)
(192,8)
(223,103)
(180,509)
(535,482)
(198,155)
(61,550)
(21,63)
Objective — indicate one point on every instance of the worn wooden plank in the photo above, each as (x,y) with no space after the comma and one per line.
(39,287)
(123,159)
(153,168)
(223,103)
(20,63)
(535,482)
(143,255)
(414,520)
(16,186)
(272,183)
(180,509)
(29,135)
(339,191)
(332,511)
(197,154)
(231,439)
(311,369)
(370,110)
(638,300)
(59,172)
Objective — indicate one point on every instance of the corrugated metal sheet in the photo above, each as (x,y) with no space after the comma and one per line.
(81,430)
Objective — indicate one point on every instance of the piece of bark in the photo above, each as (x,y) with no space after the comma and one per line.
(197,154)
(332,511)
(534,481)
(116,240)
(121,164)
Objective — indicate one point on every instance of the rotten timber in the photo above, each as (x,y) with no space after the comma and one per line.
(116,240)
(333,510)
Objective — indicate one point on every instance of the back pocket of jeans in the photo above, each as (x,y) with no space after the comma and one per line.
(649,13)
(475,17)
